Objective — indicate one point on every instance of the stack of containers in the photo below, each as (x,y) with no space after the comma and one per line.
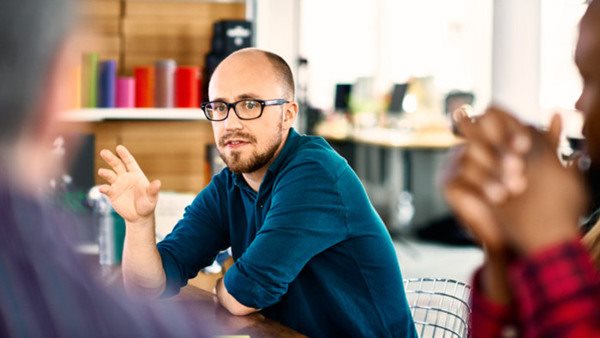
(163,85)
(100,39)
(135,47)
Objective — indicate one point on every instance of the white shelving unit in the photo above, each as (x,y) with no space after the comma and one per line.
(101,114)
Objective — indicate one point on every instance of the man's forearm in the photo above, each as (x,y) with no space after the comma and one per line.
(142,266)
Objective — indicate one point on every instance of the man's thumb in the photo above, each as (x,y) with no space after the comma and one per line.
(154,188)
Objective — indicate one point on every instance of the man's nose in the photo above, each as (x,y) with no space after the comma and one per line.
(232,121)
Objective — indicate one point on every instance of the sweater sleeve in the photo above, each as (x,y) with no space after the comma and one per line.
(196,239)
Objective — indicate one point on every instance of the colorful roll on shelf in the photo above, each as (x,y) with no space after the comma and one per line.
(162,85)
(108,79)
(125,92)
(144,86)
(164,89)
(187,87)
(89,80)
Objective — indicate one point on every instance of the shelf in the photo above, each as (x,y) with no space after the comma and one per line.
(101,114)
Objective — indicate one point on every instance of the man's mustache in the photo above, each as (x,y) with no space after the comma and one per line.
(236,136)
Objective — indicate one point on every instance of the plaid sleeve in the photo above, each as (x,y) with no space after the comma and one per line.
(559,293)
(488,318)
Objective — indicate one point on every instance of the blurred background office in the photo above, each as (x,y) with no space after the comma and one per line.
(377,78)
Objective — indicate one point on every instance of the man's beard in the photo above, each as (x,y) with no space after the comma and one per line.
(257,160)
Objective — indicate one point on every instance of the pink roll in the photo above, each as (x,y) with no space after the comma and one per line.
(125,92)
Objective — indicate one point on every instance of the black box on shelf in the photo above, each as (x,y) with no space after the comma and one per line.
(231,35)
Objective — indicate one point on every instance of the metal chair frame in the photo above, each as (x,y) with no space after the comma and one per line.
(440,306)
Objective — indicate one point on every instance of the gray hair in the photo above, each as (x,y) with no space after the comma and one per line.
(30,35)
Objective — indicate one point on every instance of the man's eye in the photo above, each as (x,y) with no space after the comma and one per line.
(250,104)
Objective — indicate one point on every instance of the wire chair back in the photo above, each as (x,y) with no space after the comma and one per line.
(440,307)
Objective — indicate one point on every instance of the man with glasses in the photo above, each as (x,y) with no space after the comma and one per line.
(309,249)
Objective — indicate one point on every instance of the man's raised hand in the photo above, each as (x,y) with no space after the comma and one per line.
(132,195)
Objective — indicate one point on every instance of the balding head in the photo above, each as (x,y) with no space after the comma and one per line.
(260,65)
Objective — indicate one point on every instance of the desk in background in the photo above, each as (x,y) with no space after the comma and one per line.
(389,161)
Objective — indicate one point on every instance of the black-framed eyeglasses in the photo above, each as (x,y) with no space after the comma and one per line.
(246,109)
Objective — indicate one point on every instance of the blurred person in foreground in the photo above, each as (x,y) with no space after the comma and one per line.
(45,289)
(540,278)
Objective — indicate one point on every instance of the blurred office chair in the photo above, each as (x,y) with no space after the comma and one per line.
(440,307)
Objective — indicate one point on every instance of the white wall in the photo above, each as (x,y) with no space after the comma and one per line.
(534,74)
(516,56)
(394,40)
(276,27)
(338,38)
(560,83)
(531,61)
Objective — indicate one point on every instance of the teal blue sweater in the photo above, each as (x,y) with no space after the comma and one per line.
(309,248)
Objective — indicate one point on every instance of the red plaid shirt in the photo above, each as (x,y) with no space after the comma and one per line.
(557,294)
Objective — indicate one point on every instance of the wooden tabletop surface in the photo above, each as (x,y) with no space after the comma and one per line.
(254,325)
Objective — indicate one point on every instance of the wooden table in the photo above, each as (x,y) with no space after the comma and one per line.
(254,325)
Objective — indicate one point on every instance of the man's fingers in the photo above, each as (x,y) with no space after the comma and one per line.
(153,189)
(113,161)
(107,174)
(105,189)
(127,158)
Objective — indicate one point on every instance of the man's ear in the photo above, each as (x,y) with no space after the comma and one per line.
(290,113)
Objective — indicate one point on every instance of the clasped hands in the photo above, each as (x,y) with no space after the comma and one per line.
(508,188)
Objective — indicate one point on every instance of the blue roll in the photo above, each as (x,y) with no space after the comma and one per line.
(107,84)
